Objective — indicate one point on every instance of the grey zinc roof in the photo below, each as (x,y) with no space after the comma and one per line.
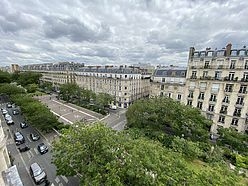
(111,70)
(171,72)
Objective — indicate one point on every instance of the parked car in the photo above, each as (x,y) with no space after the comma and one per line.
(23,125)
(19,138)
(42,148)
(7,117)
(9,105)
(37,173)
(34,137)
(15,112)
(24,148)
(4,111)
(10,122)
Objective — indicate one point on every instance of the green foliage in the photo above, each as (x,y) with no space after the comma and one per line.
(37,114)
(31,88)
(102,156)
(11,89)
(103,99)
(70,91)
(26,78)
(46,86)
(191,150)
(236,141)
(170,116)
(242,161)
(5,77)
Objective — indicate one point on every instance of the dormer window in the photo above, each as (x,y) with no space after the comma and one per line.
(242,53)
(220,53)
(202,54)
(196,54)
(210,53)
(234,53)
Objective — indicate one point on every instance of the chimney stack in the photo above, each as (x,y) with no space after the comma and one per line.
(191,52)
(228,49)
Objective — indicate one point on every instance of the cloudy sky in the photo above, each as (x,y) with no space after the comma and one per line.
(117,31)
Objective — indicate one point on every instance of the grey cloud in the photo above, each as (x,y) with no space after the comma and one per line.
(74,29)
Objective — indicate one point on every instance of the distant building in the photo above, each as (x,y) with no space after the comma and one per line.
(14,68)
(169,82)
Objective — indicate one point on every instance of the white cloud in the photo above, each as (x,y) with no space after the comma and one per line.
(118,31)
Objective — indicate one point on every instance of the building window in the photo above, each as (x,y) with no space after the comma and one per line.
(223,109)
(209,116)
(221,119)
(231,76)
(193,76)
(163,80)
(189,102)
(215,87)
(125,76)
(190,94)
(226,99)
(119,87)
(240,100)
(232,65)
(221,53)
(246,64)
(161,94)
(169,95)
(125,93)
(206,65)
(211,108)
(199,105)
(125,88)
(245,77)
(243,89)
(210,54)
(242,53)
(162,87)
(202,54)
(205,73)
(234,53)
(217,75)
(237,112)
(201,95)
(212,97)
(192,85)
(235,121)
(179,96)
(196,54)
(229,88)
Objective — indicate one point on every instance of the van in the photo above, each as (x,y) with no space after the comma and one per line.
(37,173)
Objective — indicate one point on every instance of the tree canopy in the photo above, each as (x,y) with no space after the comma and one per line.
(102,156)
(5,77)
(169,116)
(26,78)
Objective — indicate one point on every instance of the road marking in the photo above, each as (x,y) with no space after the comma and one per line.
(29,139)
(75,109)
(62,117)
(52,184)
(57,180)
(60,184)
(36,151)
(29,155)
(65,179)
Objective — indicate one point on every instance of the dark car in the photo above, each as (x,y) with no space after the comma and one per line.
(19,138)
(23,148)
(42,148)
(15,112)
(34,137)
(23,125)
(37,173)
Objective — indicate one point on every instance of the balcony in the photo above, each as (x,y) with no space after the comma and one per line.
(223,111)
(238,114)
(244,80)
(193,77)
(213,100)
(239,104)
(228,90)
(227,78)
(206,77)
(242,92)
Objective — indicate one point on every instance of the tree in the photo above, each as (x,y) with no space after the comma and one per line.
(103,99)
(170,116)
(31,88)
(69,91)
(102,156)
(5,77)
(11,89)
(25,78)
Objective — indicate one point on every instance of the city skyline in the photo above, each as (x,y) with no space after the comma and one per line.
(117,32)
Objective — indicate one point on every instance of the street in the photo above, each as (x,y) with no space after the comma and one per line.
(67,113)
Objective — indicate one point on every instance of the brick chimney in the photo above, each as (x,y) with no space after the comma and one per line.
(228,49)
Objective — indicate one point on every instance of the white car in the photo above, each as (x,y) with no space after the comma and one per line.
(4,111)
(10,122)
(8,117)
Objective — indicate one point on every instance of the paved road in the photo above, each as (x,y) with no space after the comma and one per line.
(25,159)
